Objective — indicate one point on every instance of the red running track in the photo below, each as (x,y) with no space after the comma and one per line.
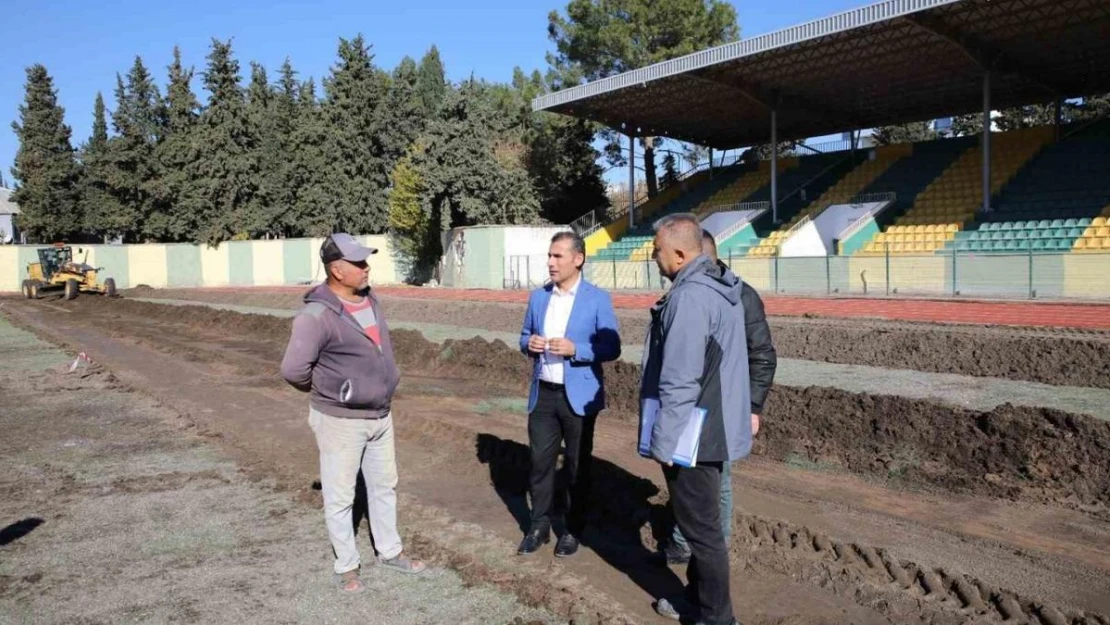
(1086,316)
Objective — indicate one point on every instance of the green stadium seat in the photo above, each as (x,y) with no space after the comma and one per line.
(1083,223)
(1059,233)
(1057,223)
(1044,224)
(1071,223)
(1023,245)
(1021,235)
(1007,226)
(1010,246)
(1075,233)
(1038,245)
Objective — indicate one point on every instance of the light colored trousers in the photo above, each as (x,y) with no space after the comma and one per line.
(345,446)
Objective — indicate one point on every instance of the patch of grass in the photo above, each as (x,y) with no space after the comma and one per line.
(502,404)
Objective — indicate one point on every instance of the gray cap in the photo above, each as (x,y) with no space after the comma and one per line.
(342,246)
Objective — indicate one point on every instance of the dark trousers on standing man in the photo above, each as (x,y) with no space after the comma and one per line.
(553,421)
(695,494)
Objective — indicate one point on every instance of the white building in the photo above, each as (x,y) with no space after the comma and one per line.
(8,211)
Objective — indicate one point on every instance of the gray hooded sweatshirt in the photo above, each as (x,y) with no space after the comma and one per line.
(349,375)
(695,357)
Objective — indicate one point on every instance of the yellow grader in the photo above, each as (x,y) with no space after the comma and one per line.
(56,269)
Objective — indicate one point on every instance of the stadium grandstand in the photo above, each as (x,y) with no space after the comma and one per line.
(938,206)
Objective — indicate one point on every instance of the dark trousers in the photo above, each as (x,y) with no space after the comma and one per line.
(552,421)
(695,494)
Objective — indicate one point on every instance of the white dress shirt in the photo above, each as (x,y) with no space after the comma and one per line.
(555,326)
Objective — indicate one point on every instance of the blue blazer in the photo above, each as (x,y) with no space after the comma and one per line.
(593,329)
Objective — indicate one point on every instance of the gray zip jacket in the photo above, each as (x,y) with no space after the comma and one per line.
(696,356)
(329,354)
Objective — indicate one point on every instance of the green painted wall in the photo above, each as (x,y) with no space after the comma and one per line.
(859,238)
(183,266)
(298,261)
(115,261)
(240,260)
(483,261)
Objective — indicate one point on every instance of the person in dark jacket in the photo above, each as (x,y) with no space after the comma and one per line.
(694,417)
(762,362)
(340,351)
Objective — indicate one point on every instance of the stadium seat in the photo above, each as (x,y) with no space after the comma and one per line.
(1057,223)
(1038,244)
(1099,221)
(1071,223)
(1084,222)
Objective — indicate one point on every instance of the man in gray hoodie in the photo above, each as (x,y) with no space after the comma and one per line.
(695,400)
(340,351)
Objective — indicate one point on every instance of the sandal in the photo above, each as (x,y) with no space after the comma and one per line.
(404,565)
(351,582)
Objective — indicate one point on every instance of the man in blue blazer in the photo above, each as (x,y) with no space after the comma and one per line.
(569,330)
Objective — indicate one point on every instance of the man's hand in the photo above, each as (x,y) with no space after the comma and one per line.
(536,344)
(755,424)
(561,347)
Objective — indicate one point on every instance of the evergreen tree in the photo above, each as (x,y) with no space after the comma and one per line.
(912,132)
(600,38)
(670,170)
(132,173)
(358,176)
(314,211)
(224,173)
(175,155)
(431,83)
(268,154)
(45,165)
(98,206)
(402,117)
(467,176)
(281,150)
(410,218)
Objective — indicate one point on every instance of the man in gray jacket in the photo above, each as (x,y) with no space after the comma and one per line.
(695,400)
(341,352)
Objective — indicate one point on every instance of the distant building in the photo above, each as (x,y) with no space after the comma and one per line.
(8,211)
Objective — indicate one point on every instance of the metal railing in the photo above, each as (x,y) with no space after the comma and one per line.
(888,197)
(1025,275)
(727,233)
(723,208)
(600,217)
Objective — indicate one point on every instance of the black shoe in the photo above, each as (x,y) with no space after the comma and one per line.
(533,540)
(567,546)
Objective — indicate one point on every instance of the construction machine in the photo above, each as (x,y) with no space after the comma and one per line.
(56,269)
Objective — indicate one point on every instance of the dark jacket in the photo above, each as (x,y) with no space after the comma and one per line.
(330,354)
(762,359)
(696,348)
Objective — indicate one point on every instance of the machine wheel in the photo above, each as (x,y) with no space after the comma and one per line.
(110,287)
(33,289)
(26,289)
(71,289)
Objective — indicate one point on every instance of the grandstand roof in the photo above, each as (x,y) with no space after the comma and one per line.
(891,62)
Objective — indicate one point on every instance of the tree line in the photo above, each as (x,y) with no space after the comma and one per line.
(279,157)
(368,150)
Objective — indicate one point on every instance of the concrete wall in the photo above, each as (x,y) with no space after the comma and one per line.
(236,263)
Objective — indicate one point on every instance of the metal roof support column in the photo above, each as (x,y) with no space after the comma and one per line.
(631,181)
(710,163)
(986,142)
(1059,117)
(774,167)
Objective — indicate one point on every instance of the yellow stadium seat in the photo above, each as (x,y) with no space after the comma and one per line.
(1103,231)
(1081,244)
(1099,222)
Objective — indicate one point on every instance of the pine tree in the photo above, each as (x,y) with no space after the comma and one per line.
(670,170)
(132,173)
(314,211)
(467,180)
(912,132)
(224,173)
(45,165)
(175,219)
(98,206)
(431,82)
(268,154)
(402,117)
(278,167)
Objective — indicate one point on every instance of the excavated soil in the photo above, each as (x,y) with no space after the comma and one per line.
(1007,453)
(1061,357)
(1018,453)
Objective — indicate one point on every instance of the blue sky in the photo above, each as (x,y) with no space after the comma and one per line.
(84,44)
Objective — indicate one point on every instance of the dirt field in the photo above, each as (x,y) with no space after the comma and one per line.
(856,508)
